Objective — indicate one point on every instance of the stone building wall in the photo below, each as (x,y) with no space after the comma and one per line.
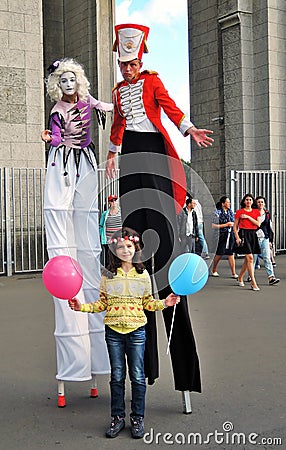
(21,75)
(277,83)
(238,86)
(204,91)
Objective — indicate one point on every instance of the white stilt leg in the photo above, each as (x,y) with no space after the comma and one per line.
(94,390)
(187,407)
(61,394)
(71,222)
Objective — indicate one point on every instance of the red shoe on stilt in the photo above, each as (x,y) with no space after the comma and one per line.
(61,401)
(93,392)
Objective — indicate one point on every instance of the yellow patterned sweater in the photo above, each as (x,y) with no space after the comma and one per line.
(124,297)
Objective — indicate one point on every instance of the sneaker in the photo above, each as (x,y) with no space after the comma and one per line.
(117,424)
(214,274)
(274,264)
(248,279)
(137,427)
(273,281)
(206,256)
(257,267)
(235,276)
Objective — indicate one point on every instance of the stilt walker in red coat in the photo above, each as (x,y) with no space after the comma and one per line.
(152,190)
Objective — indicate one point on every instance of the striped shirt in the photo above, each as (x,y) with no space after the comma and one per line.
(113,223)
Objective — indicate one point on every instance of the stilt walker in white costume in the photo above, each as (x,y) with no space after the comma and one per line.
(71,219)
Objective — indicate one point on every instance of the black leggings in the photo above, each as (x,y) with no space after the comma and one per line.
(147,205)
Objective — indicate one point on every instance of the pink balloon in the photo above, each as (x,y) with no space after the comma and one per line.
(62,277)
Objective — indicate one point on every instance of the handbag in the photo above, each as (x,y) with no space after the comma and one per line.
(260,233)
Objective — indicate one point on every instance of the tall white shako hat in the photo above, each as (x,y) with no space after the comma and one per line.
(130,41)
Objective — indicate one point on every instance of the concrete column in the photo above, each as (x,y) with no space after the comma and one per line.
(238,89)
(105,65)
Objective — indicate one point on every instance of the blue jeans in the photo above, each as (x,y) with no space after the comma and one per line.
(132,346)
(265,253)
(191,244)
(202,239)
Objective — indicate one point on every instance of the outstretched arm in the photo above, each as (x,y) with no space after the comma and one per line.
(200,136)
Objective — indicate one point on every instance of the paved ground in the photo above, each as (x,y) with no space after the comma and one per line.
(241,342)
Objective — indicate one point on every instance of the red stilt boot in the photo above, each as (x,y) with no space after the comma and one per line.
(61,401)
(61,394)
(94,390)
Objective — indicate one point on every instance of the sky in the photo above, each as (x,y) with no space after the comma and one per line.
(168,52)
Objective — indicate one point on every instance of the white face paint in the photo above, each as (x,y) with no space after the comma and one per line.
(68,83)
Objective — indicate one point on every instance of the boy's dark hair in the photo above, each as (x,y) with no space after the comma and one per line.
(114,261)
(189,200)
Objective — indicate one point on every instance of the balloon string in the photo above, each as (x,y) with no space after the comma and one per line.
(171,330)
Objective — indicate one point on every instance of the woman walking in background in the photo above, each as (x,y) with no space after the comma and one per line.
(223,220)
(247,221)
(265,239)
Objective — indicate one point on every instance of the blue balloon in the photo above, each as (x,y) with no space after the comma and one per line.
(188,273)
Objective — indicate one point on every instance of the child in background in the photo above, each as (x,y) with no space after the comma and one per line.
(125,292)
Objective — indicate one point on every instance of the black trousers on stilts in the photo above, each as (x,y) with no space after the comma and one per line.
(147,206)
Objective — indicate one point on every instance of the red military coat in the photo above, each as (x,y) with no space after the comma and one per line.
(155,98)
